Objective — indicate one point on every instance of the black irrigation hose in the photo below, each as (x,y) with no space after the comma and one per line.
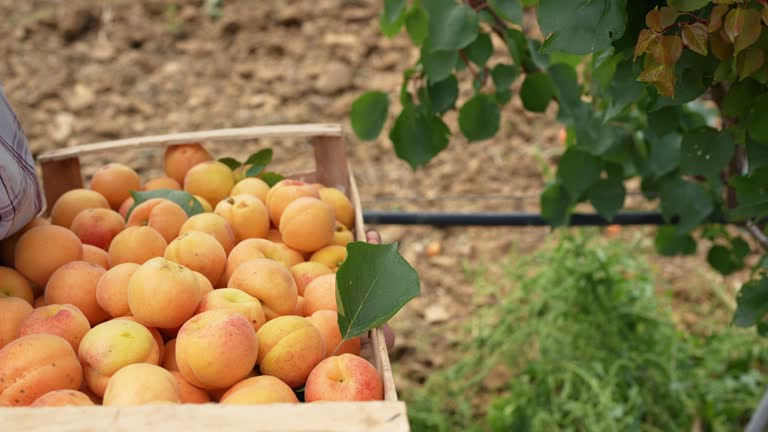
(377,217)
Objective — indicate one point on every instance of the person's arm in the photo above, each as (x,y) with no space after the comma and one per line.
(21,194)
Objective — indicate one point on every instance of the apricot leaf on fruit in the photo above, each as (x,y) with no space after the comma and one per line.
(271,178)
(372,285)
(232,163)
(258,161)
(184,199)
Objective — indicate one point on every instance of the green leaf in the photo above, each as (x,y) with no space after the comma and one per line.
(536,92)
(438,65)
(607,196)
(510,10)
(740,249)
(418,137)
(623,89)
(757,155)
(581,26)
(184,199)
(738,101)
(706,152)
(752,303)
(232,163)
(452,26)
(688,5)
(517,44)
(257,162)
(566,86)
(392,17)
(757,123)
(687,200)
(669,242)
(479,118)
(480,50)
(443,94)
(555,204)
(504,75)
(665,153)
(368,114)
(271,178)
(417,24)
(372,285)
(721,259)
(577,171)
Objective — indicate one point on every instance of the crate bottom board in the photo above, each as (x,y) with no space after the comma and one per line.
(373,416)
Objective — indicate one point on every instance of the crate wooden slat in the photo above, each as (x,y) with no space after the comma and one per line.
(61,172)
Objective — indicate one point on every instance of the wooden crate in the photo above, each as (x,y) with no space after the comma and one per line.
(61,172)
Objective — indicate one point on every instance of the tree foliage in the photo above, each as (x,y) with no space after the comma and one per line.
(632,80)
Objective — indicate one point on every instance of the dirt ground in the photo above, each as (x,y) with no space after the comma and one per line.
(86,71)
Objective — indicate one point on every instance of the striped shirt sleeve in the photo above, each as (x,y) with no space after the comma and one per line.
(21,194)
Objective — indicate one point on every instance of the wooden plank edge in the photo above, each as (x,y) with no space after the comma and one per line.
(372,416)
(252,132)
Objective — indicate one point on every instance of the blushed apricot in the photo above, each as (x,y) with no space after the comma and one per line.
(63,320)
(112,289)
(327,322)
(345,377)
(246,250)
(115,181)
(59,398)
(214,225)
(165,216)
(284,193)
(13,284)
(8,245)
(162,183)
(342,206)
(252,186)
(95,255)
(246,214)
(289,348)
(307,224)
(178,159)
(268,281)
(125,207)
(264,389)
(234,299)
(75,283)
(320,294)
(97,227)
(136,244)
(141,384)
(72,202)
(36,260)
(306,272)
(13,311)
(211,180)
(200,252)
(189,393)
(163,294)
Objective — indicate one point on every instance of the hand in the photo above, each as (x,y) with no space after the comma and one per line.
(373,237)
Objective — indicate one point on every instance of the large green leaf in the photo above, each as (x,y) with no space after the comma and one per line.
(510,10)
(752,303)
(479,51)
(577,171)
(555,204)
(392,17)
(607,196)
(417,24)
(706,152)
(368,114)
(443,94)
(479,118)
(257,162)
(536,92)
(372,285)
(669,242)
(664,155)
(687,200)
(452,26)
(418,137)
(581,26)
(438,65)
(504,75)
(184,199)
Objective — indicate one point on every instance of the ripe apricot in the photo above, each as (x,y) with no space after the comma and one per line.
(214,225)
(115,181)
(142,384)
(165,216)
(331,256)
(246,214)
(63,320)
(163,294)
(75,283)
(136,244)
(307,224)
(162,183)
(200,252)
(97,226)
(36,259)
(289,348)
(178,159)
(284,193)
(237,300)
(344,377)
(112,289)
(268,281)
(95,255)
(252,186)
(211,180)
(13,284)
(264,389)
(189,393)
(306,272)
(58,398)
(320,294)
(342,206)
(8,245)
(125,207)
(341,235)
(72,202)
(13,311)
(327,322)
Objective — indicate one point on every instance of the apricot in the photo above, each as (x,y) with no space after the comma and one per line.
(63,320)
(162,183)
(95,255)
(72,202)
(341,205)
(264,389)
(200,252)
(342,236)
(284,193)
(327,321)
(36,260)
(165,216)
(155,335)
(332,256)
(217,394)
(214,225)
(8,245)
(245,250)
(13,311)
(34,365)
(217,348)
(125,207)
(344,377)
(204,203)
(13,284)
(141,384)
(178,159)
(111,346)
(204,284)
(252,186)
(97,226)
(169,359)
(59,398)
(230,298)
(75,283)
(211,180)
(190,393)
(115,181)
(289,348)
(268,281)
(306,272)
(320,294)
(307,224)
(112,289)
(136,244)
(162,293)
(246,214)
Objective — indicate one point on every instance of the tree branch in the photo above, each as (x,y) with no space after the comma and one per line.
(757,234)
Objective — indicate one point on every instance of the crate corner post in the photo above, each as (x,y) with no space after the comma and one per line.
(58,177)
